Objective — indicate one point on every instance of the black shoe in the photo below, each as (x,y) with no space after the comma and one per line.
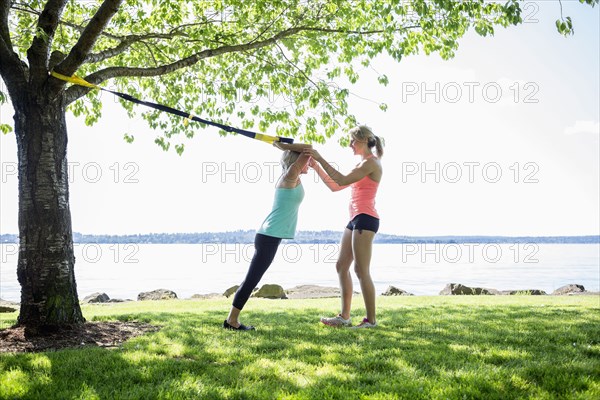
(242,327)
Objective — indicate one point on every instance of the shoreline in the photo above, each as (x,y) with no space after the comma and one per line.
(320,291)
(274,291)
(311,237)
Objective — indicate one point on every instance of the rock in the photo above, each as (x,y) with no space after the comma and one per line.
(524,292)
(312,292)
(119,300)
(8,306)
(394,291)
(8,309)
(158,294)
(96,298)
(460,289)
(207,296)
(270,292)
(569,289)
(231,290)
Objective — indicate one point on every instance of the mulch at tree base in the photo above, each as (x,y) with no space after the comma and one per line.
(101,334)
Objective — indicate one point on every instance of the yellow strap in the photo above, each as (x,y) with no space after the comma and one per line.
(265,138)
(73,79)
(188,119)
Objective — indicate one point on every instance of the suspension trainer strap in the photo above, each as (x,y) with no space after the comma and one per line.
(253,135)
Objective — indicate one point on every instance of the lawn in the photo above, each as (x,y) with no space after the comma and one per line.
(455,347)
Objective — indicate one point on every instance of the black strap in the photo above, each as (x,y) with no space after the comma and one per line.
(174,111)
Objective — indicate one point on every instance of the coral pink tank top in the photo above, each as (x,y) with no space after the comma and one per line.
(362,198)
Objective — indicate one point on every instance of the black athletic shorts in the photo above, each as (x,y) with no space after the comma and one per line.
(364,221)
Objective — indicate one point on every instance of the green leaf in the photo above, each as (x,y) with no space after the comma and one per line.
(6,128)
(383,79)
(162,143)
(41,34)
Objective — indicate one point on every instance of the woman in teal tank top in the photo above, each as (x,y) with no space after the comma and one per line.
(279,224)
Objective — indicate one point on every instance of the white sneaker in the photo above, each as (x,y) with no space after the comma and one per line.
(365,324)
(336,321)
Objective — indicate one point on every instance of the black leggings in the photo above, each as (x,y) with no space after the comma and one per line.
(265,248)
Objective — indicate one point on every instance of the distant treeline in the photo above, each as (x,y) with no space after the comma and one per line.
(306,237)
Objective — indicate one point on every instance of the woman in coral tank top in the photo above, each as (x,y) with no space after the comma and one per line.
(357,239)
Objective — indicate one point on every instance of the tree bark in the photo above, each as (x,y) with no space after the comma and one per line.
(46,259)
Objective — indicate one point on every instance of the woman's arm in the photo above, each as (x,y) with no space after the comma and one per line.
(363,169)
(298,147)
(330,183)
(294,171)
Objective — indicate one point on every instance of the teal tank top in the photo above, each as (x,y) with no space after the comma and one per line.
(282,221)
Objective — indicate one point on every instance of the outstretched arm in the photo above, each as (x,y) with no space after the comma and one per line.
(330,183)
(362,170)
(294,171)
(298,147)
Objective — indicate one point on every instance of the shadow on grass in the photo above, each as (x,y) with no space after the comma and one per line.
(424,352)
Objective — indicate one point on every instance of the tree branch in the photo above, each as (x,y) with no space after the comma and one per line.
(74,92)
(78,28)
(114,72)
(88,38)
(269,25)
(6,54)
(327,100)
(11,70)
(126,43)
(291,103)
(39,52)
(112,52)
(172,33)
(4,32)
(561,10)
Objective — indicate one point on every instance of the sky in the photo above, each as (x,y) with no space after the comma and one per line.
(501,140)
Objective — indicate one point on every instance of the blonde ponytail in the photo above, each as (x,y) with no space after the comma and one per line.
(364,134)
(379,143)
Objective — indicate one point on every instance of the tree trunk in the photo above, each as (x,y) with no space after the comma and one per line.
(46,259)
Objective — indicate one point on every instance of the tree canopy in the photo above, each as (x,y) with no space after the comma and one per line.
(202,55)
(218,58)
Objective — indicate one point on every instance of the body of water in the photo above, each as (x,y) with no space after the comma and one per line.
(124,270)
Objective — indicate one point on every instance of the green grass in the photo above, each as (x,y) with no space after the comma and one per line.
(460,347)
